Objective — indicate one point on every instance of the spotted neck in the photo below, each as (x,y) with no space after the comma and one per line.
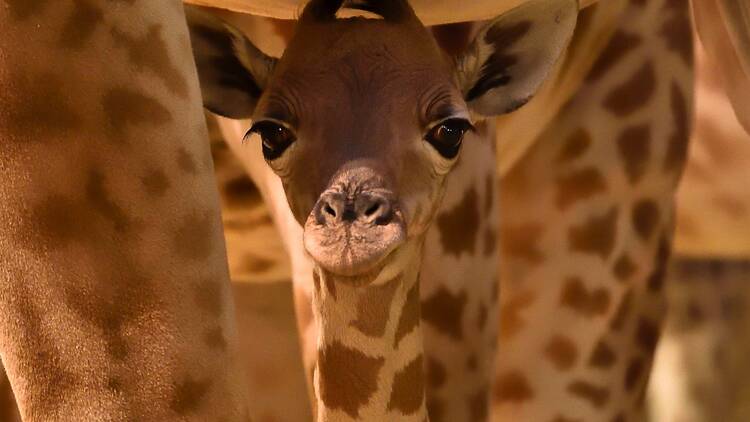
(370,343)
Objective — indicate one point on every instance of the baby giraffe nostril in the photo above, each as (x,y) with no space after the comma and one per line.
(372,210)
(329,210)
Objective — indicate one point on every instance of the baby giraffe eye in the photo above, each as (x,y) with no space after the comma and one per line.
(447,135)
(276,138)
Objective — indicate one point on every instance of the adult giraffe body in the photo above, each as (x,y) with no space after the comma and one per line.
(114,301)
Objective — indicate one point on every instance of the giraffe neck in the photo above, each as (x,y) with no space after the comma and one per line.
(370,343)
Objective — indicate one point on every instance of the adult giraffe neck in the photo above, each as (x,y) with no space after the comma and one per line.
(370,343)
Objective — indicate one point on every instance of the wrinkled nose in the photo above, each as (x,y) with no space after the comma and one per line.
(366,207)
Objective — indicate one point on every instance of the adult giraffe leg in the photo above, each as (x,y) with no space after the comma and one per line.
(8,408)
(114,295)
(586,227)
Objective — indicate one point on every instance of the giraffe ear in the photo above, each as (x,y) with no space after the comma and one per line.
(514,53)
(232,71)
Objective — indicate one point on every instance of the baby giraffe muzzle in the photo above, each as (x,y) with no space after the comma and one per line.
(355,224)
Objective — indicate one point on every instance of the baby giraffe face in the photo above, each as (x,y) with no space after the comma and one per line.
(362,119)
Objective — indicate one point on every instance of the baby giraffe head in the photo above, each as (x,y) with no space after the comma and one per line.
(363,118)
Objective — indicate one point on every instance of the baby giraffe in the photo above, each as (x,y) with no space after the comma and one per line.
(362,119)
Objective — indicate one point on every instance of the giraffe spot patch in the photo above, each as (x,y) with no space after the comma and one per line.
(511,321)
(647,335)
(436,374)
(81,25)
(99,200)
(490,241)
(634,147)
(444,311)
(575,145)
(436,409)
(603,357)
(633,373)
(126,108)
(595,395)
(214,339)
(373,308)
(348,378)
(586,303)
(624,268)
(522,241)
(150,53)
(676,30)
(24,9)
(459,226)
(156,183)
(579,185)
(645,218)
(622,312)
(634,93)
(596,235)
(479,405)
(656,279)
(42,112)
(512,387)
(618,47)
(189,395)
(677,147)
(562,352)
(407,394)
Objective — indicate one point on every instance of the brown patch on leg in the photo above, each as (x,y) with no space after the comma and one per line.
(677,30)
(407,393)
(622,312)
(562,352)
(436,374)
(444,311)
(624,268)
(634,146)
(586,303)
(151,53)
(633,373)
(126,108)
(647,335)
(479,406)
(459,226)
(619,45)
(595,395)
(603,357)
(188,395)
(511,321)
(634,93)
(436,409)
(156,183)
(579,185)
(81,25)
(100,201)
(24,9)
(677,147)
(43,113)
(655,280)
(373,308)
(576,144)
(645,218)
(215,340)
(512,387)
(596,235)
(348,378)
(522,241)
